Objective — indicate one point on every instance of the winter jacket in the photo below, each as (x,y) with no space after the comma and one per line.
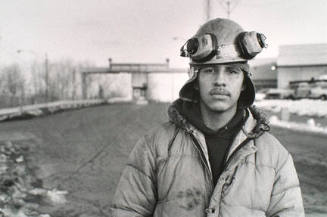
(168,174)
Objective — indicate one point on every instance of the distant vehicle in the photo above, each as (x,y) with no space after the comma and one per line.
(276,93)
(315,88)
(302,91)
(322,77)
(318,93)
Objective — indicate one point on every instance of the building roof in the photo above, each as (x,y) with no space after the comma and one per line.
(302,55)
(138,67)
(133,69)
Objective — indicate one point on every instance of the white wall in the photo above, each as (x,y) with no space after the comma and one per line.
(164,87)
(112,84)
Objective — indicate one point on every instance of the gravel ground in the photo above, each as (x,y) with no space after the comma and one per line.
(84,151)
(309,152)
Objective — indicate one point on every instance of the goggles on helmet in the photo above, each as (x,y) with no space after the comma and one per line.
(205,47)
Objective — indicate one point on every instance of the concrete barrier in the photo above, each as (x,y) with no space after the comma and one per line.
(36,110)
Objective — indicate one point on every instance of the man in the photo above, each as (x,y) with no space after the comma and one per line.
(215,157)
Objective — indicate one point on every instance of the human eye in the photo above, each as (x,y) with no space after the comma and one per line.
(234,70)
(208,70)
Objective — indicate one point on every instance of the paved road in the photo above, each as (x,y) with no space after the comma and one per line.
(83,151)
(310,155)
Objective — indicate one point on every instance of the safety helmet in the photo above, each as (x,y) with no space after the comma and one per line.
(221,41)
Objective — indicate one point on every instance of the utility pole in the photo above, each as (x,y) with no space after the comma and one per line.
(84,87)
(207,9)
(227,5)
(46,68)
(228,8)
(74,86)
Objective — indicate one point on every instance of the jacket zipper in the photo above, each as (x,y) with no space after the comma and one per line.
(204,161)
(234,152)
(203,158)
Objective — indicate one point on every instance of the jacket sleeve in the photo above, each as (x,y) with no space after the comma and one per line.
(136,192)
(286,198)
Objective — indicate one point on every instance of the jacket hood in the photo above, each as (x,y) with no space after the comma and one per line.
(189,94)
(254,126)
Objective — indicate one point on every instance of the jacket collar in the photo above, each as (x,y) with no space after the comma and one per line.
(254,126)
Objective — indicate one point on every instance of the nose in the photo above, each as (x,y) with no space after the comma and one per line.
(219,77)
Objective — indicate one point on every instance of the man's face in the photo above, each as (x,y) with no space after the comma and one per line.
(220,86)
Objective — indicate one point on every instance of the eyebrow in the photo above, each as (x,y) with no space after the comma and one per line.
(229,67)
(207,67)
(234,67)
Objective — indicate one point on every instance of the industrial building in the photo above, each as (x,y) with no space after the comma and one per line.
(264,73)
(300,62)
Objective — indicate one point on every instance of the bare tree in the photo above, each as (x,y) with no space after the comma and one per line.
(37,83)
(63,82)
(13,84)
(60,79)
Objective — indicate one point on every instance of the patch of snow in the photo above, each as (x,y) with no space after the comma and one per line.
(308,127)
(57,196)
(311,122)
(303,107)
(259,96)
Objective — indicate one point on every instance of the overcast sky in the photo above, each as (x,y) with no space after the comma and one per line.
(143,30)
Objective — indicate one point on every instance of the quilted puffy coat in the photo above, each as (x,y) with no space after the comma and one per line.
(169,174)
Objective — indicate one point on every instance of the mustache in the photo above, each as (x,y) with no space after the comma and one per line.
(219,91)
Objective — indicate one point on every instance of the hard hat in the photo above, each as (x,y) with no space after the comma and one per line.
(221,41)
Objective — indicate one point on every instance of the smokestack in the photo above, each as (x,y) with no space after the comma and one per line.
(110,61)
(167,62)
